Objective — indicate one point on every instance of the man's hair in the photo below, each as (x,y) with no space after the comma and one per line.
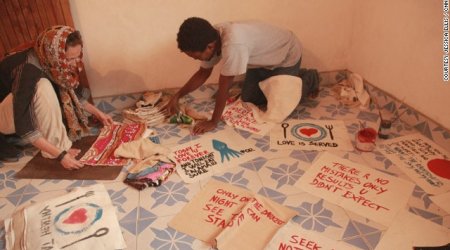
(195,34)
(74,39)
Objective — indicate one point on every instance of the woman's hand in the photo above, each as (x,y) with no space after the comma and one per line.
(74,152)
(204,126)
(104,118)
(69,162)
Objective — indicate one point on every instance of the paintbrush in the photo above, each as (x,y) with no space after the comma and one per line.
(398,116)
(361,125)
(378,107)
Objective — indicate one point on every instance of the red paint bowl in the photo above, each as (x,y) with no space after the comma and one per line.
(365,139)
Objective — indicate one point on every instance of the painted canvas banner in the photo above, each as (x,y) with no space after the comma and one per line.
(442,200)
(211,153)
(211,210)
(235,217)
(255,225)
(425,162)
(360,189)
(293,236)
(241,116)
(409,230)
(82,219)
(320,135)
(101,153)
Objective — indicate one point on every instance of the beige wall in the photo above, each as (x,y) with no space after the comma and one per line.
(397,45)
(130,45)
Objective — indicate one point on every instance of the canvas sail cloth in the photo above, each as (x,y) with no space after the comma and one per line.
(211,153)
(83,219)
(409,230)
(233,217)
(255,225)
(357,188)
(283,94)
(241,115)
(425,162)
(320,135)
(101,153)
(293,236)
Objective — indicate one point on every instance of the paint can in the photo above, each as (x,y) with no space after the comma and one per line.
(365,139)
(384,129)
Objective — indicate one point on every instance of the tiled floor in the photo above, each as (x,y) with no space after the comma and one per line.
(143,215)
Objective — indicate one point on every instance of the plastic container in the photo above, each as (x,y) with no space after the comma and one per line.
(365,139)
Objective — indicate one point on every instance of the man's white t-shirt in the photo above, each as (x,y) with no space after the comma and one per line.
(254,44)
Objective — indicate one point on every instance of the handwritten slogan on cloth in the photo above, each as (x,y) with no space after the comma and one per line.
(425,162)
(242,116)
(320,135)
(82,219)
(233,216)
(210,154)
(292,236)
(101,153)
(255,225)
(360,189)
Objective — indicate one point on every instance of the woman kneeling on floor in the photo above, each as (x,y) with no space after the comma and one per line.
(40,95)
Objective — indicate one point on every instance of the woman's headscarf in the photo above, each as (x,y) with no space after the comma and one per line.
(50,48)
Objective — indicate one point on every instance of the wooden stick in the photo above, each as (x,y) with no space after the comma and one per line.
(361,125)
(398,116)
(375,101)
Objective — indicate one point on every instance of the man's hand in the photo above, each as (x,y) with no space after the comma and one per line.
(204,126)
(172,107)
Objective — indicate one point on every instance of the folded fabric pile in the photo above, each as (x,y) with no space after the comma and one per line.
(152,168)
(148,115)
(151,172)
(148,110)
(351,92)
(82,219)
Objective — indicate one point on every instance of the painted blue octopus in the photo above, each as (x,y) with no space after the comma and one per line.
(224,150)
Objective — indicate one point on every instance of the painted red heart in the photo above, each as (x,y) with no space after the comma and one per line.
(77,216)
(440,167)
(308,131)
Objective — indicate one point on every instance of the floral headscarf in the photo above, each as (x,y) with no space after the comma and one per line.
(50,48)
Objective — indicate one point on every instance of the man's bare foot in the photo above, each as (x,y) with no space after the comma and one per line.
(314,94)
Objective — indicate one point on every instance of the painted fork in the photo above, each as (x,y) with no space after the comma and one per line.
(87,194)
(330,127)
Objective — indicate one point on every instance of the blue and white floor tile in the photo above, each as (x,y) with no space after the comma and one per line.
(143,215)
(241,177)
(282,174)
(159,236)
(6,208)
(168,199)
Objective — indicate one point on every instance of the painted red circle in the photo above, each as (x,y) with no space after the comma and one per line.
(440,167)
